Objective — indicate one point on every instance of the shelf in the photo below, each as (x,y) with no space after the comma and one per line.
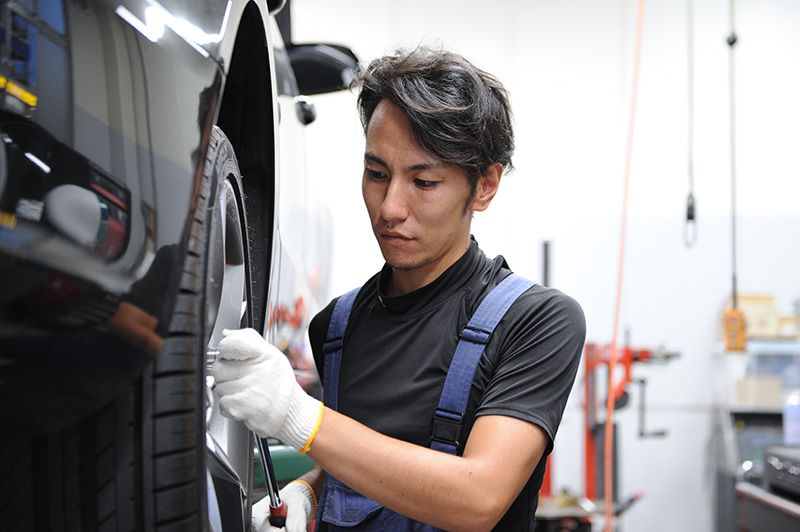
(772,346)
(749,382)
(744,409)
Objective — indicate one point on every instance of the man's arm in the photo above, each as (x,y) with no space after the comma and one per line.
(471,492)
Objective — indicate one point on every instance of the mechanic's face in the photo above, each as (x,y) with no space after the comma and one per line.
(415,201)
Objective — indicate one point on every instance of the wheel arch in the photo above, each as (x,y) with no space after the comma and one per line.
(247,116)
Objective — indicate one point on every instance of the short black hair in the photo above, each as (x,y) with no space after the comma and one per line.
(458,112)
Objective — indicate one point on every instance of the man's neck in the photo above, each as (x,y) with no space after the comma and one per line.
(405,281)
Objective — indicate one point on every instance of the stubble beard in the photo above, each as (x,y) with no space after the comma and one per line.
(409,266)
(406,265)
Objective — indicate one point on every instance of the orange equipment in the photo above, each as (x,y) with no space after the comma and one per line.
(595,355)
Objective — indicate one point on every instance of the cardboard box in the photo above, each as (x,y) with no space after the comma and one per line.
(761,391)
(761,318)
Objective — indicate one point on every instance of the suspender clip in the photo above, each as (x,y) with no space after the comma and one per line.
(475,335)
(446,426)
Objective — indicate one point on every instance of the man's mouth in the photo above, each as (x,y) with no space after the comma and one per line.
(391,236)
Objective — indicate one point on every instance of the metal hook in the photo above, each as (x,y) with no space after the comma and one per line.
(690,235)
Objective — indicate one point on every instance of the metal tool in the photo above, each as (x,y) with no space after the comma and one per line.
(277,509)
(211,357)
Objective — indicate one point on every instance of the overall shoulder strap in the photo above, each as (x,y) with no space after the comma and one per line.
(449,415)
(332,348)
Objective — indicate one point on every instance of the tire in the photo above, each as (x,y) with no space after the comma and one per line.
(160,457)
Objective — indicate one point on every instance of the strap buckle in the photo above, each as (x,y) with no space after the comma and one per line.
(446,426)
(475,335)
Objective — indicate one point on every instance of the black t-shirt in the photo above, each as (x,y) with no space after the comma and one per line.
(397,351)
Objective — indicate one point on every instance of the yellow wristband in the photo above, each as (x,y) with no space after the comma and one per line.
(307,446)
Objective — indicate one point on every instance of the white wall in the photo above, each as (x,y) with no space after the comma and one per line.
(568,66)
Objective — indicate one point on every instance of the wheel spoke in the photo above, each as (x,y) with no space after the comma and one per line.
(228,287)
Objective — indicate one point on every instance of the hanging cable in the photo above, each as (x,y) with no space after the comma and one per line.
(735,336)
(609,433)
(732,38)
(690,235)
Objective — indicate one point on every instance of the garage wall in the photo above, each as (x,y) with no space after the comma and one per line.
(568,66)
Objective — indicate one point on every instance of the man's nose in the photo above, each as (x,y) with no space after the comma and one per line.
(395,202)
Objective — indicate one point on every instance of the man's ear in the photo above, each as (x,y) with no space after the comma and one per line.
(487,187)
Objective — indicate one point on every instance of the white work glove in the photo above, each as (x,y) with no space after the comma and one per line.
(300,509)
(257,386)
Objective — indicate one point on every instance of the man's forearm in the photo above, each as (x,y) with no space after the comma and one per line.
(450,492)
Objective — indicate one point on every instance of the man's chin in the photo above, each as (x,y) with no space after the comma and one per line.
(404,265)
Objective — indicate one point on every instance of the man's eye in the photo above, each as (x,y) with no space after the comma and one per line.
(374,174)
(422,183)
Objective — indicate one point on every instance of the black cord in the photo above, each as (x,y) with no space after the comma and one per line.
(690,235)
(732,39)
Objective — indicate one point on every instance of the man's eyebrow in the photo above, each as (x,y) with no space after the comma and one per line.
(374,159)
(413,168)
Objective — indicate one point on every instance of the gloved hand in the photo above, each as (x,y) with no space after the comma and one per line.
(300,509)
(257,386)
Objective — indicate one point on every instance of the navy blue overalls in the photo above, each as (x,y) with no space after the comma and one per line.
(342,509)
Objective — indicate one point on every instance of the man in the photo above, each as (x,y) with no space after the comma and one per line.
(438,139)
